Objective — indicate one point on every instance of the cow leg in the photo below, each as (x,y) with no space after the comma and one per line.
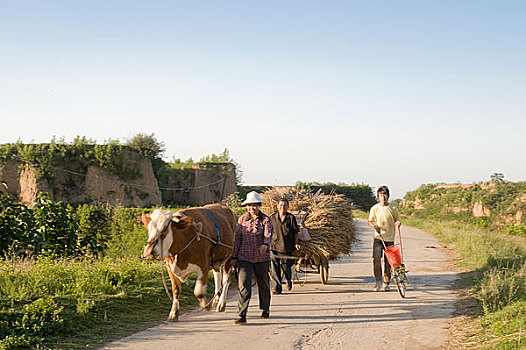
(200,289)
(221,305)
(217,285)
(176,292)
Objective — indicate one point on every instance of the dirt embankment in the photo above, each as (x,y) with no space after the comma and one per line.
(95,184)
(201,184)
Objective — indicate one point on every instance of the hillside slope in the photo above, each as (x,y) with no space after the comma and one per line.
(500,203)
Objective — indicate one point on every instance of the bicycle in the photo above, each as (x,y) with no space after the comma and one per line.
(394,255)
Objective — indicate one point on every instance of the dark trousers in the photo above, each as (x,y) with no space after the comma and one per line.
(244,277)
(281,267)
(378,253)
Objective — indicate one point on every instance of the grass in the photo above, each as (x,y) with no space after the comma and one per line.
(495,263)
(477,247)
(507,327)
(357,213)
(96,301)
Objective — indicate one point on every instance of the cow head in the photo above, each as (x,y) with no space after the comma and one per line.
(161,226)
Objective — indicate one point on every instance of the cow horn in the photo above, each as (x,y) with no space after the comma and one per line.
(177,217)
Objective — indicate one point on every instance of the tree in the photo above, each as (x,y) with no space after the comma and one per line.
(223,157)
(147,145)
(497,177)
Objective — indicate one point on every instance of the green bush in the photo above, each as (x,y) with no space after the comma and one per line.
(94,227)
(516,230)
(127,235)
(50,228)
(233,201)
(41,317)
(28,327)
(361,195)
(17,229)
(54,229)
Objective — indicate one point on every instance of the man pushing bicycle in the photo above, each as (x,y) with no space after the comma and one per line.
(384,218)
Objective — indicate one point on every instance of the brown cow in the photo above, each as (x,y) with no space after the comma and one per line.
(187,241)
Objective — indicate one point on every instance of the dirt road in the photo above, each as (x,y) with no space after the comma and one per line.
(344,314)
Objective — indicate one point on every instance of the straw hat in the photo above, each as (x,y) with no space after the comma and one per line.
(252,198)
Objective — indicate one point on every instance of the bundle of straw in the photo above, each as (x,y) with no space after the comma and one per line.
(329,220)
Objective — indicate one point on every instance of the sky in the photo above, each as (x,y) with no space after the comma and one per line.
(401,93)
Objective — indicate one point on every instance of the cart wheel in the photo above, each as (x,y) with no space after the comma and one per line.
(324,272)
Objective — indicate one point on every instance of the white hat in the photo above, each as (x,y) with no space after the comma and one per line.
(252,198)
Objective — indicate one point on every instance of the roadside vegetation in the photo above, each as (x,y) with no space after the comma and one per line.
(491,251)
(71,277)
(360,214)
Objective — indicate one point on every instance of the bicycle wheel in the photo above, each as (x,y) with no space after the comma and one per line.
(400,283)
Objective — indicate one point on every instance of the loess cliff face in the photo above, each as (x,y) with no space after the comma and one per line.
(202,184)
(94,184)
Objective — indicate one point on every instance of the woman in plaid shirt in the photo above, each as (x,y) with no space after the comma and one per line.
(252,255)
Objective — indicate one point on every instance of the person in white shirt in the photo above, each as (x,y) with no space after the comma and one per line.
(384,218)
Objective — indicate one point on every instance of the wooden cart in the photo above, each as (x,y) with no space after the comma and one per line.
(313,265)
(310,264)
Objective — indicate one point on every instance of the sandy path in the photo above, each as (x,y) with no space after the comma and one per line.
(344,314)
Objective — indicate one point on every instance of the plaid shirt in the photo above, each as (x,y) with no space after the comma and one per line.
(251,233)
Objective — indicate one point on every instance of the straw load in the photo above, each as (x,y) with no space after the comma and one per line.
(328,218)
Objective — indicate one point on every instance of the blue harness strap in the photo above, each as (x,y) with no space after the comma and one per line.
(216,225)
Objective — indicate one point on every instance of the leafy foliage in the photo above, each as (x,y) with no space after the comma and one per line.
(56,230)
(147,145)
(27,327)
(16,227)
(93,227)
(45,157)
(223,157)
(127,235)
(359,194)
(51,228)
(233,201)
(497,177)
